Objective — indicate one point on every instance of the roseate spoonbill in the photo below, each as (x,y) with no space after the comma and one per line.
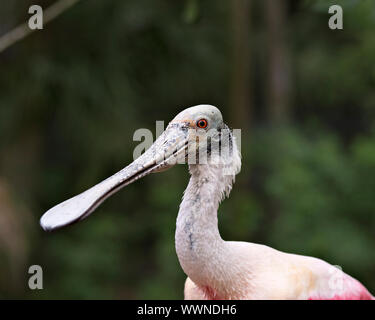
(216,269)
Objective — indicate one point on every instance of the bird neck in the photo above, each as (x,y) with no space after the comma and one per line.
(202,252)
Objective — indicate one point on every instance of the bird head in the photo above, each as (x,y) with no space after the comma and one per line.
(196,136)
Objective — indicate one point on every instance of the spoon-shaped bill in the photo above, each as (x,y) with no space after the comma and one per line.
(161,155)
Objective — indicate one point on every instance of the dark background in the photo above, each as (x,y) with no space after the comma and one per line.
(72,95)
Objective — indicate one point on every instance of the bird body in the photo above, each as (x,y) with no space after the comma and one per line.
(216,269)
(274,275)
(219,269)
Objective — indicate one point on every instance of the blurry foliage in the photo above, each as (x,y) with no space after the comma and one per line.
(191,11)
(72,95)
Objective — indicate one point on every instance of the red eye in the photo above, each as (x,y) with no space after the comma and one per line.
(202,123)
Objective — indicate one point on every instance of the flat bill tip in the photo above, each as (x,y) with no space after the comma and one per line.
(45,224)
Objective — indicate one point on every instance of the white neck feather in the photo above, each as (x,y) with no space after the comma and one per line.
(203,254)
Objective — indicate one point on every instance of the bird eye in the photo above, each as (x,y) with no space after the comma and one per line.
(202,123)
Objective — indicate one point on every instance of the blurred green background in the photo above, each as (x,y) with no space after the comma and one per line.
(72,95)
